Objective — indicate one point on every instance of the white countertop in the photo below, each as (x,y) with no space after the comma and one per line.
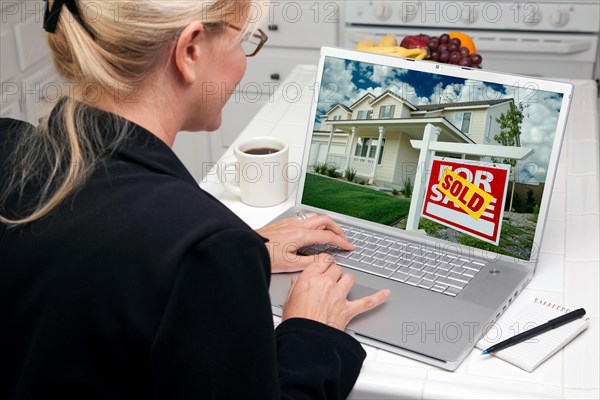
(568,271)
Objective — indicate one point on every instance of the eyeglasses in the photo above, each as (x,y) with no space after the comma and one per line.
(252,43)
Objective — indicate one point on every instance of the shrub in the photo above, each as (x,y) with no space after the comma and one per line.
(536,213)
(350,174)
(320,168)
(395,192)
(331,170)
(407,188)
(429,226)
(530,202)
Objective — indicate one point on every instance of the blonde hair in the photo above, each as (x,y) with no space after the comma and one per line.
(114,48)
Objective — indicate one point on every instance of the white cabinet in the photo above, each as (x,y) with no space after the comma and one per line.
(296,31)
(28,79)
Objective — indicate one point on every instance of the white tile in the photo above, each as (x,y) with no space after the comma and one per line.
(583,194)
(558,205)
(295,170)
(585,95)
(296,153)
(554,237)
(581,358)
(281,101)
(216,189)
(298,114)
(274,109)
(591,394)
(295,134)
(387,381)
(390,358)
(583,237)
(582,125)
(562,160)
(257,127)
(211,175)
(466,386)
(371,352)
(582,286)
(549,274)
(256,217)
(560,183)
(583,157)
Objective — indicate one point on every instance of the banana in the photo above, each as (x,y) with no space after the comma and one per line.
(364,45)
(416,53)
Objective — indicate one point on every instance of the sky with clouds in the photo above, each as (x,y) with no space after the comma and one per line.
(347,81)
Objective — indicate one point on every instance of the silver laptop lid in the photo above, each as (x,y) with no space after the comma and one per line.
(368,123)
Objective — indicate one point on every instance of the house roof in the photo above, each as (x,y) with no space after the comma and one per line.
(425,107)
(441,106)
(413,126)
(362,98)
(390,93)
(345,108)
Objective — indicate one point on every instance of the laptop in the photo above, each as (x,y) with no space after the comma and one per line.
(441,175)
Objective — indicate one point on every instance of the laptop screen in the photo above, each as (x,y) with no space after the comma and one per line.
(368,139)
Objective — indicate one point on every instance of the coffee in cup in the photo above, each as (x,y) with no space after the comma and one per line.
(261,151)
(261,169)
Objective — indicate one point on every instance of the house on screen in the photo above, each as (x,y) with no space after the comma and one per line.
(372,135)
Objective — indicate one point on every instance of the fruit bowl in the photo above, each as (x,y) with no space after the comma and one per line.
(452,48)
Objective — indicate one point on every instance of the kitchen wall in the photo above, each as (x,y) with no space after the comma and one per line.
(296,29)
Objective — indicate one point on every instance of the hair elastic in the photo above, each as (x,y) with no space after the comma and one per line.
(51,16)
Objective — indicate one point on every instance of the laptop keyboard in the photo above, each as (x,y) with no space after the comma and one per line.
(409,263)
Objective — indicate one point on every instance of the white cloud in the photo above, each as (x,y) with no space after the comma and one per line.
(382,74)
(338,86)
(538,127)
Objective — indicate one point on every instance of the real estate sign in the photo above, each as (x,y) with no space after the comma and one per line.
(467,196)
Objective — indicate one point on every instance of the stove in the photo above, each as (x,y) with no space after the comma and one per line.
(546,38)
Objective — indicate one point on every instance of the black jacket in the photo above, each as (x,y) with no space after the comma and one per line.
(141,285)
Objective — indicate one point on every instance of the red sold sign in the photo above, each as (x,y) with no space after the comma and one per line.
(467,196)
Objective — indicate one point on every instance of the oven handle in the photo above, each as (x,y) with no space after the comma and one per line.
(534,46)
(491,44)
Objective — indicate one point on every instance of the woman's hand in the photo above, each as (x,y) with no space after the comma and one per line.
(320,293)
(286,236)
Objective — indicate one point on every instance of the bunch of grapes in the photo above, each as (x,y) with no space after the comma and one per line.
(447,50)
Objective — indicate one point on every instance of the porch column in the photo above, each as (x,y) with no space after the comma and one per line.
(430,134)
(329,143)
(377,153)
(349,151)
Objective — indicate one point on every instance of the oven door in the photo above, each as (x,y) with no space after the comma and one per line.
(536,54)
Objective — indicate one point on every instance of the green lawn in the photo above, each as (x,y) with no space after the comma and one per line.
(361,202)
(350,199)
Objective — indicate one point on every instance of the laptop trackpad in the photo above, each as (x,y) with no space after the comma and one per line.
(359,291)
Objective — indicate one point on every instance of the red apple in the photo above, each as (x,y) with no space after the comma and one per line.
(415,41)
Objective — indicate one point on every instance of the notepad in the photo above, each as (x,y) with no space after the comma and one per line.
(529,354)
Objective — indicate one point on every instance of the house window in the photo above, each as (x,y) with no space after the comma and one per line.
(365,114)
(367,147)
(463,121)
(489,129)
(362,147)
(386,111)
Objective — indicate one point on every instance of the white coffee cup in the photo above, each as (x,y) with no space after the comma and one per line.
(261,168)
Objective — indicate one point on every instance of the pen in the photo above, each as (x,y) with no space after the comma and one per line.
(553,323)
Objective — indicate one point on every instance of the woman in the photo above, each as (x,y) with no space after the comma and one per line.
(120,278)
